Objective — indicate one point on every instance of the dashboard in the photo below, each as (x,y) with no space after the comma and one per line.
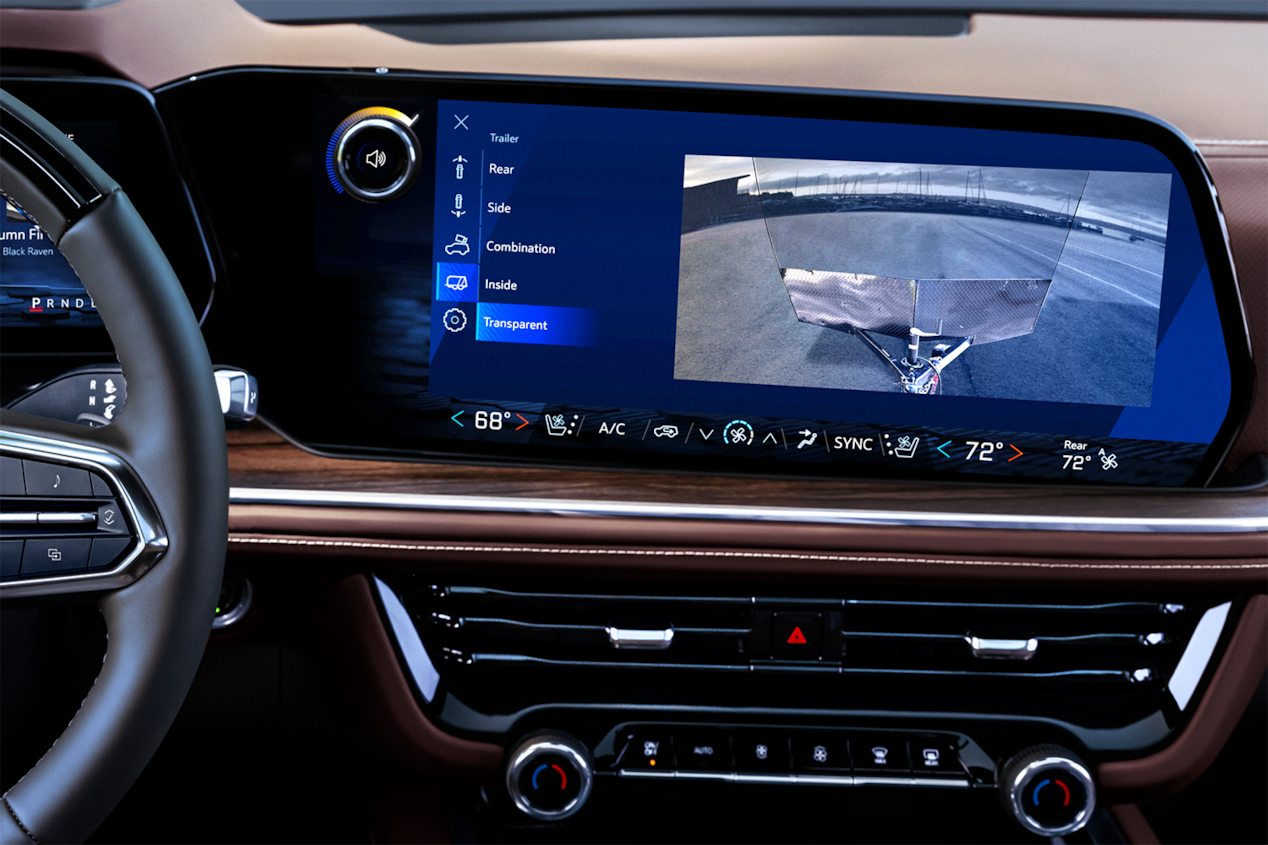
(692,439)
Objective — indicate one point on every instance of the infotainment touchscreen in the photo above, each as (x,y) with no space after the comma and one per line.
(1026,293)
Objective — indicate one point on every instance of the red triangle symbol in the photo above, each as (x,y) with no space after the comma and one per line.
(796,636)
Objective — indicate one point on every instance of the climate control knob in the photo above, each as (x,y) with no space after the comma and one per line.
(548,775)
(1048,790)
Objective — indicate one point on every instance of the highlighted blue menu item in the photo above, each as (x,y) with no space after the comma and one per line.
(457,282)
(503,322)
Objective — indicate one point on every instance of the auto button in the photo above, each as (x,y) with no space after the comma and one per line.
(706,750)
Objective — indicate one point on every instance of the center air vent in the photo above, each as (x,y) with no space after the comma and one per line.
(1110,642)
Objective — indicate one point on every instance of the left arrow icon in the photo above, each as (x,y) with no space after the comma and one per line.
(455,419)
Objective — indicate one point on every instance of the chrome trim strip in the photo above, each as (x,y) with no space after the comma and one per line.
(825,780)
(1197,654)
(421,669)
(954,783)
(640,773)
(67,518)
(654,510)
(151,537)
(809,779)
(745,778)
(865,780)
(725,777)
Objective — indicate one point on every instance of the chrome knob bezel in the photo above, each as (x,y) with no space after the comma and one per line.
(1035,767)
(531,748)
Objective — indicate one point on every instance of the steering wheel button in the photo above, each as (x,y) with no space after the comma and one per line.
(110,519)
(55,557)
(55,480)
(106,550)
(11,477)
(99,487)
(10,558)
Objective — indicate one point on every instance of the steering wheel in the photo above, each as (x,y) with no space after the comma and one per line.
(165,454)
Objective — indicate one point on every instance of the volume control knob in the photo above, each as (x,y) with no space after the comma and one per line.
(548,775)
(373,155)
(1048,790)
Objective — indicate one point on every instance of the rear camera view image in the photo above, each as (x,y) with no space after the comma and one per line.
(1000,282)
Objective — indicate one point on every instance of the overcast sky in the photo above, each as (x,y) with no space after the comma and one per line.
(1129,199)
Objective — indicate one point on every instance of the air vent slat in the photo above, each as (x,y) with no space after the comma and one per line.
(1136,643)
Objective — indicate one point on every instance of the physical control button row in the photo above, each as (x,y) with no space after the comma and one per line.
(777,752)
(105,518)
(26,477)
(34,558)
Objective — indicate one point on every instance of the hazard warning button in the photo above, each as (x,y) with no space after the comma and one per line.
(797,636)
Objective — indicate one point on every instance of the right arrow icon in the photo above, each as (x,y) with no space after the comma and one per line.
(1018,451)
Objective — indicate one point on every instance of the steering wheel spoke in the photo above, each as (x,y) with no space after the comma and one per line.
(76,515)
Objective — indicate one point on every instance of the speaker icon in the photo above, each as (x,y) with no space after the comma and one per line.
(376,159)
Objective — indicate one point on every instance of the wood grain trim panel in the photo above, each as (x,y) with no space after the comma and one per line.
(259,458)
(785,566)
(420,525)
(1232,686)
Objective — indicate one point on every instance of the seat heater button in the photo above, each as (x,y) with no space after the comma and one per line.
(762,752)
(821,752)
(55,557)
(55,480)
(703,750)
(11,477)
(106,551)
(879,753)
(10,558)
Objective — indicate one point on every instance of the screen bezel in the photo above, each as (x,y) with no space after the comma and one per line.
(153,183)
